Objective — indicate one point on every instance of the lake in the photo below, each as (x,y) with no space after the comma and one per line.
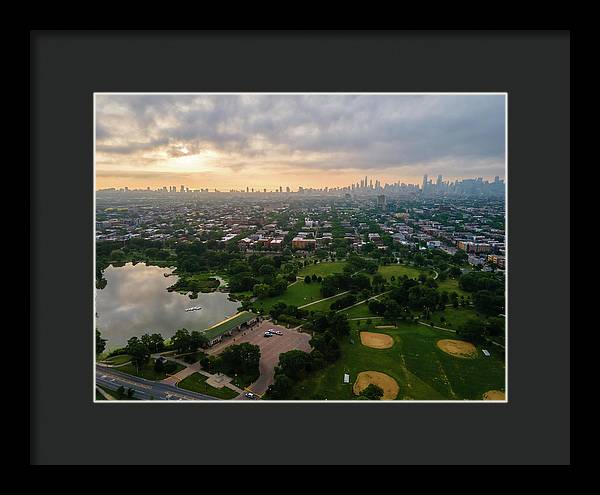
(135,301)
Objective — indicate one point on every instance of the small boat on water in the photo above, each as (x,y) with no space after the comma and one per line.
(193,308)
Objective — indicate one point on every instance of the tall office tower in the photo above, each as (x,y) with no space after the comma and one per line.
(371,184)
(497,178)
(247,188)
(182,189)
(264,190)
(381,201)
(280,189)
(439,180)
(366,181)
(424,183)
(287,189)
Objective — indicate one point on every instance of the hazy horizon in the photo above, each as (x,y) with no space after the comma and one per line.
(267,141)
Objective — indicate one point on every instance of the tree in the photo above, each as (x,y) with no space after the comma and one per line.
(261,290)
(157,342)
(239,359)
(280,388)
(307,279)
(130,393)
(488,302)
(372,392)
(100,342)
(139,352)
(473,329)
(294,364)
(267,270)
(120,392)
(197,340)
(181,341)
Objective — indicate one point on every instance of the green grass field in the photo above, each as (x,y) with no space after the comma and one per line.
(323,269)
(422,370)
(297,295)
(197,383)
(455,318)
(451,285)
(147,371)
(398,270)
(117,360)
(360,311)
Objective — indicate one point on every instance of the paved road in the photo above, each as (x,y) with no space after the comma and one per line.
(144,389)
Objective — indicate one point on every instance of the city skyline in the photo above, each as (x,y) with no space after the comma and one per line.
(260,141)
(362,184)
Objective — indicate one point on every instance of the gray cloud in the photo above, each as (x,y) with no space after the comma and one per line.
(450,134)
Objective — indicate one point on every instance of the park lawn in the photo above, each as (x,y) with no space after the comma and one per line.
(422,370)
(197,383)
(397,271)
(359,311)
(117,360)
(455,317)
(324,305)
(322,269)
(244,381)
(147,371)
(296,295)
(451,285)
(192,358)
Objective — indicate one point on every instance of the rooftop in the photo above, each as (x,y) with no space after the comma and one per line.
(228,324)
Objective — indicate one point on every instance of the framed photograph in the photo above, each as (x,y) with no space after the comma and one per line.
(304,254)
(331,244)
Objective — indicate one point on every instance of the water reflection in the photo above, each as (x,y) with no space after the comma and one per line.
(135,301)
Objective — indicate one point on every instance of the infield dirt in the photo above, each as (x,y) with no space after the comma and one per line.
(457,348)
(385,382)
(376,340)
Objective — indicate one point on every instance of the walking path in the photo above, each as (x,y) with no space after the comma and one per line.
(439,328)
(325,299)
(107,365)
(361,302)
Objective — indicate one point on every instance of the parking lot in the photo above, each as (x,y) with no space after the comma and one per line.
(270,348)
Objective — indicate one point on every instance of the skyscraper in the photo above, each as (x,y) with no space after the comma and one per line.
(424,183)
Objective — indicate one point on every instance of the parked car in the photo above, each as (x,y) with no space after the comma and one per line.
(250,395)
(268,334)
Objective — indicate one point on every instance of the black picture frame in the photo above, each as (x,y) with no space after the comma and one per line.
(67,67)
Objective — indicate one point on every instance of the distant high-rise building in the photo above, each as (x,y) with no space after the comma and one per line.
(439,180)
(287,189)
(182,189)
(381,201)
(424,183)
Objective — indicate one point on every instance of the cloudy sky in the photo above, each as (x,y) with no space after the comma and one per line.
(234,141)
